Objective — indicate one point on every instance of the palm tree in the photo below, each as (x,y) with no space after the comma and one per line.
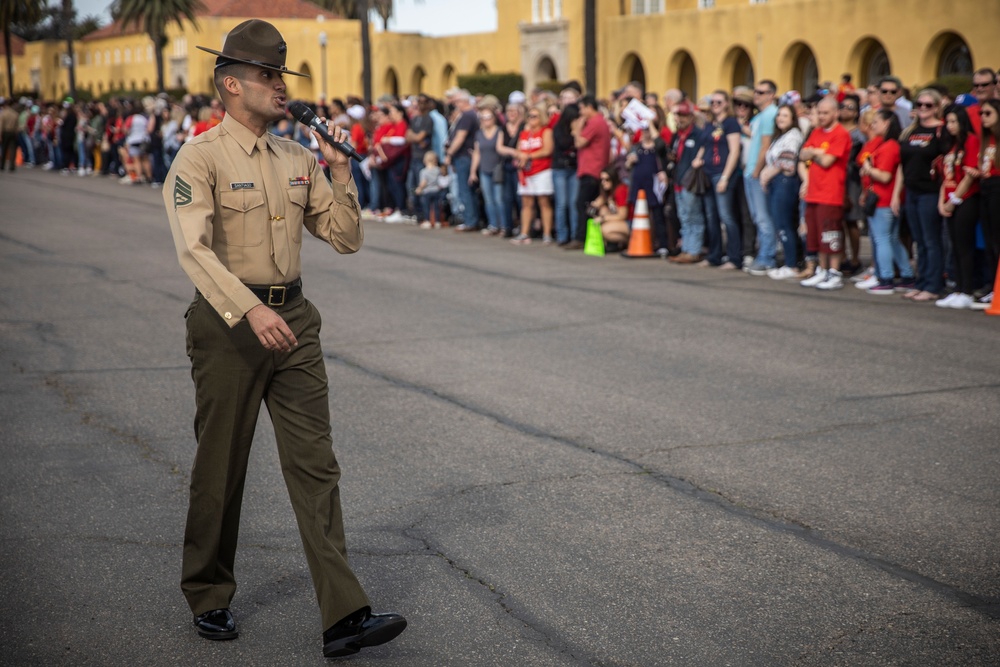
(590,45)
(154,16)
(67,23)
(22,12)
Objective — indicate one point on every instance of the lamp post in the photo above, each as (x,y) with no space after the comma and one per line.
(322,51)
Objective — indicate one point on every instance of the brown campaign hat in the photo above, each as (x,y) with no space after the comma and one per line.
(254,42)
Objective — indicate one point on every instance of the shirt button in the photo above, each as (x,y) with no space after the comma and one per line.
(229,316)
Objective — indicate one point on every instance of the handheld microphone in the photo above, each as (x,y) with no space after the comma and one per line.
(304,115)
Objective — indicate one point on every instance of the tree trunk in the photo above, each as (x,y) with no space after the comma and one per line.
(366,50)
(590,45)
(158,44)
(67,25)
(10,59)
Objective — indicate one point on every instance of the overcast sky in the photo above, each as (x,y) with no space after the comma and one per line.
(431,17)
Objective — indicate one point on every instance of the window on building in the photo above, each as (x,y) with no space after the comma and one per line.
(97,57)
(107,56)
(180,47)
(118,56)
(758,2)
(706,4)
(128,56)
(647,6)
(149,53)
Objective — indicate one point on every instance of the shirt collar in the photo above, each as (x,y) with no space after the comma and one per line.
(241,133)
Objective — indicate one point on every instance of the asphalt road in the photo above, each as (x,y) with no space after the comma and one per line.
(549,459)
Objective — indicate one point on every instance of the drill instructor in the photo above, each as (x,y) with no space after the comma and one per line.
(238,199)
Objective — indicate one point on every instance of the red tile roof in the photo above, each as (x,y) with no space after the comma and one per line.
(264,9)
(16,46)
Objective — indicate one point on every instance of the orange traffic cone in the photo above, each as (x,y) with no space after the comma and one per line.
(640,240)
(994,307)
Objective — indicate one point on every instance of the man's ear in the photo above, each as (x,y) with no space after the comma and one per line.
(232,85)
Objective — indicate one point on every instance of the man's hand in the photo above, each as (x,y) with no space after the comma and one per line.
(340,164)
(272,331)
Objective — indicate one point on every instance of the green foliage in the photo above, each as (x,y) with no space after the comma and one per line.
(955,83)
(500,85)
(551,85)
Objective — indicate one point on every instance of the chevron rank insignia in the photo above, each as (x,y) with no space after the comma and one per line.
(182,193)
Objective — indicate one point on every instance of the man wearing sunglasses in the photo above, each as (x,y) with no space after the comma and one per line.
(890,95)
(984,84)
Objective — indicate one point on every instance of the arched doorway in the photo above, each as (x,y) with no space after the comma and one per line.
(448,78)
(869,61)
(546,70)
(801,72)
(482,68)
(632,69)
(737,68)
(417,80)
(391,82)
(304,85)
(954,57)
(682,74)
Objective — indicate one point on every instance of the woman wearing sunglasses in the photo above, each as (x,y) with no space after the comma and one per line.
(719,156)
(534,160)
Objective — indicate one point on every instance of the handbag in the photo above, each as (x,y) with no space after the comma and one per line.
(869,202)
(696,181)
(388,153)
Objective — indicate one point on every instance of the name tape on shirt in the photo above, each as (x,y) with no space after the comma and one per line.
(298,180)
(182,193)
(241,186)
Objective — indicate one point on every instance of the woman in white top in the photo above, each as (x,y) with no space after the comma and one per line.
(780,181)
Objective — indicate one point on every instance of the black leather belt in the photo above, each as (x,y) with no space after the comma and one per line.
(277,295)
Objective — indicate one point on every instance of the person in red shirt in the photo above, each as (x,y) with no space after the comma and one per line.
(612,210)
(593,152)
(534,161)
(958,201)
(989,189)
(824,181)
(879,161)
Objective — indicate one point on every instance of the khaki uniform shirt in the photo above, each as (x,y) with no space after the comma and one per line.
(8,119)
(221,223)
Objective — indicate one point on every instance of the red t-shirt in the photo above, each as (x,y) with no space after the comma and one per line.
(989,167)
(955,159)
(593,158)
(359,139)
(885,157)
(826,186)
(531,142)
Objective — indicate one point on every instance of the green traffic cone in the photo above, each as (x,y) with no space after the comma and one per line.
(594,245)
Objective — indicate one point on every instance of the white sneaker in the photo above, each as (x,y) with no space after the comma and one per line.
(782,273)
(961,301)
(946,302)
(983,303)
(867,283)
(426,224)
(834,280)
(816,279)
(864,275)
(395,218)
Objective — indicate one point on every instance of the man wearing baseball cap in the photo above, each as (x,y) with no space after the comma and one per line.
(238,199)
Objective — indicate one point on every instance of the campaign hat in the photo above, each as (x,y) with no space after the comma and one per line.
(254,42)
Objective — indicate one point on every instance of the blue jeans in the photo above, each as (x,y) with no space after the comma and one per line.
(412,181)
(431,201)
(925,225)
(719,211)
(395,178)
(783,205)
(375,190)
(884,228)
(511,201)
(767,242)
(567,188)
(692,222)
(470,208)
(493,200)
(361,183)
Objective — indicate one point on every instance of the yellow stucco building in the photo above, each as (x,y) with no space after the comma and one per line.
(695,45)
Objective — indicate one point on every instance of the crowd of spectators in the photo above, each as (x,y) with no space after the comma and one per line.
(753,179)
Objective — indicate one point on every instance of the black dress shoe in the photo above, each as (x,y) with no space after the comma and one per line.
(359,630)
(216,624)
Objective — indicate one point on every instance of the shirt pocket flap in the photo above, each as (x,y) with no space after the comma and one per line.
(298,196)
(242,200)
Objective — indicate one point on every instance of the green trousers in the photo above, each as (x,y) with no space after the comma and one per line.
(233,374)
